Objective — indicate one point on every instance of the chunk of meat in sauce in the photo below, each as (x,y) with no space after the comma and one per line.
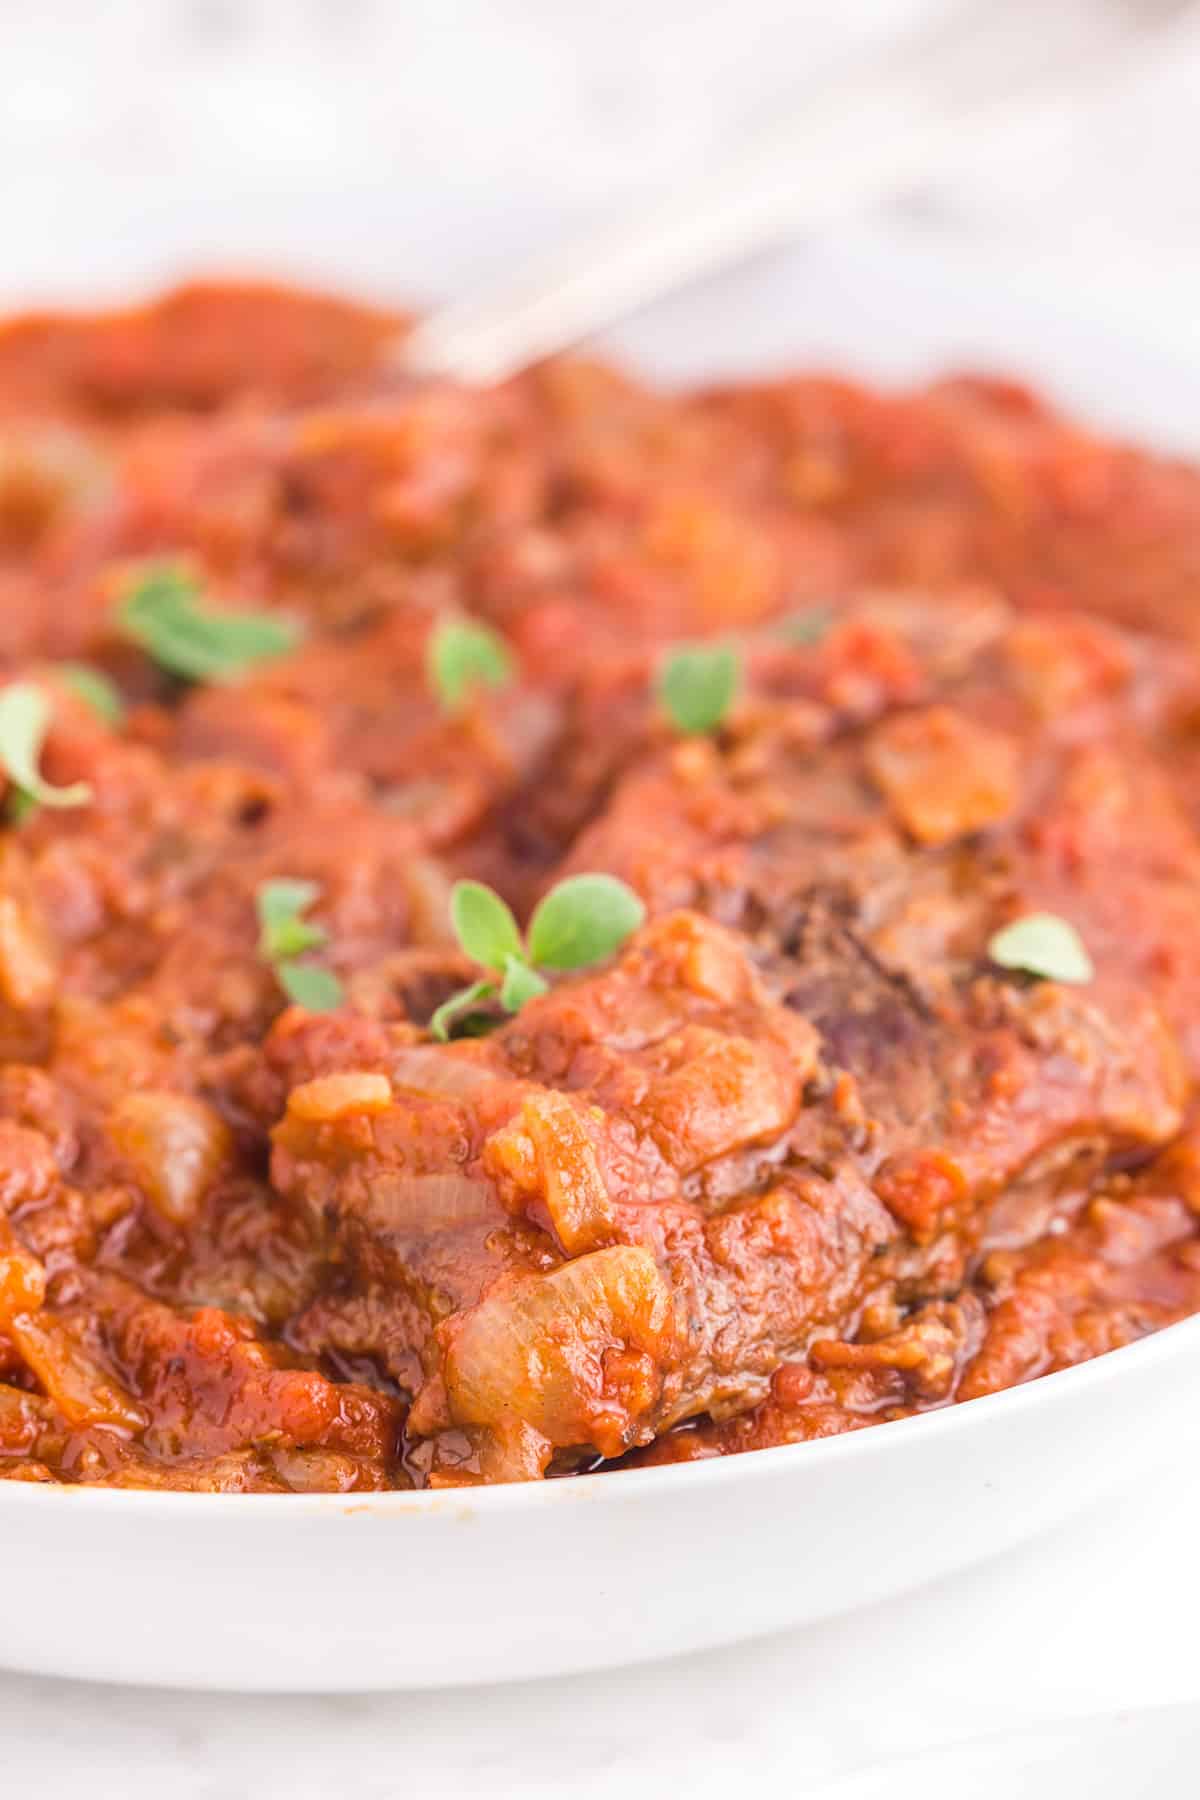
(1123,1263)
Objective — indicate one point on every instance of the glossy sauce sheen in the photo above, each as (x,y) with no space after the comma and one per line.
(800,1157)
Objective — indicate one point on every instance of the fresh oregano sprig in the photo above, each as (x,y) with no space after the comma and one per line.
(165,613)
(284,936)
(25,714)
(581,921)
(697,685)
(803,628)
(463,656)
(1045,945)
(95,690)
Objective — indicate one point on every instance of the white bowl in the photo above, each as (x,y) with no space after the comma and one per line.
(328,1593)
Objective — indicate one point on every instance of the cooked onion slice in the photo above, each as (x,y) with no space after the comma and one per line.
(438,1071)
(398,1202)
(22,1277)
(84,1393)
(175,1146)
(576,1354)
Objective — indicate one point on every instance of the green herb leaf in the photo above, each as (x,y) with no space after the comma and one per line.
(583,920)
(697,686)
(283,932)
(484,925)
(521,983)
(315,988)
(94,689)
(284,936)
(166,616)
(462,656)
(806,627)
(1042,944)
(24,720)
(458,1007)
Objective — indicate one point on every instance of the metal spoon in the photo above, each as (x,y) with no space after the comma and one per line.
(903,115)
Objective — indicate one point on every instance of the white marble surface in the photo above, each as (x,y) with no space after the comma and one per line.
(410,146)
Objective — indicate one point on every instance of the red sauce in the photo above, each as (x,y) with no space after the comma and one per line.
(801,1156)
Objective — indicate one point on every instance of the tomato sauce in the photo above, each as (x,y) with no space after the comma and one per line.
(806,1152)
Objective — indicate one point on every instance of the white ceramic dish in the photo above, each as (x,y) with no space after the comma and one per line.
(325,1593)
(328,1592)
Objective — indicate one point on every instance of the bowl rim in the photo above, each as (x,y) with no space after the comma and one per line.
(629,1485)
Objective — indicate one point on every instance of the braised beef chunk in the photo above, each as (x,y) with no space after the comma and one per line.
(811,1146)
(617,1222)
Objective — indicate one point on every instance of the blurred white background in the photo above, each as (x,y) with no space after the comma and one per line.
(412,145)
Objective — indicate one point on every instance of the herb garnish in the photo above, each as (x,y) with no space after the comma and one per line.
(697,685)
(310,985)
(462,656)
(1045,945)
(805,627)
(581,921)
(25,714)
(94,689)
(165,613)
(284,935)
